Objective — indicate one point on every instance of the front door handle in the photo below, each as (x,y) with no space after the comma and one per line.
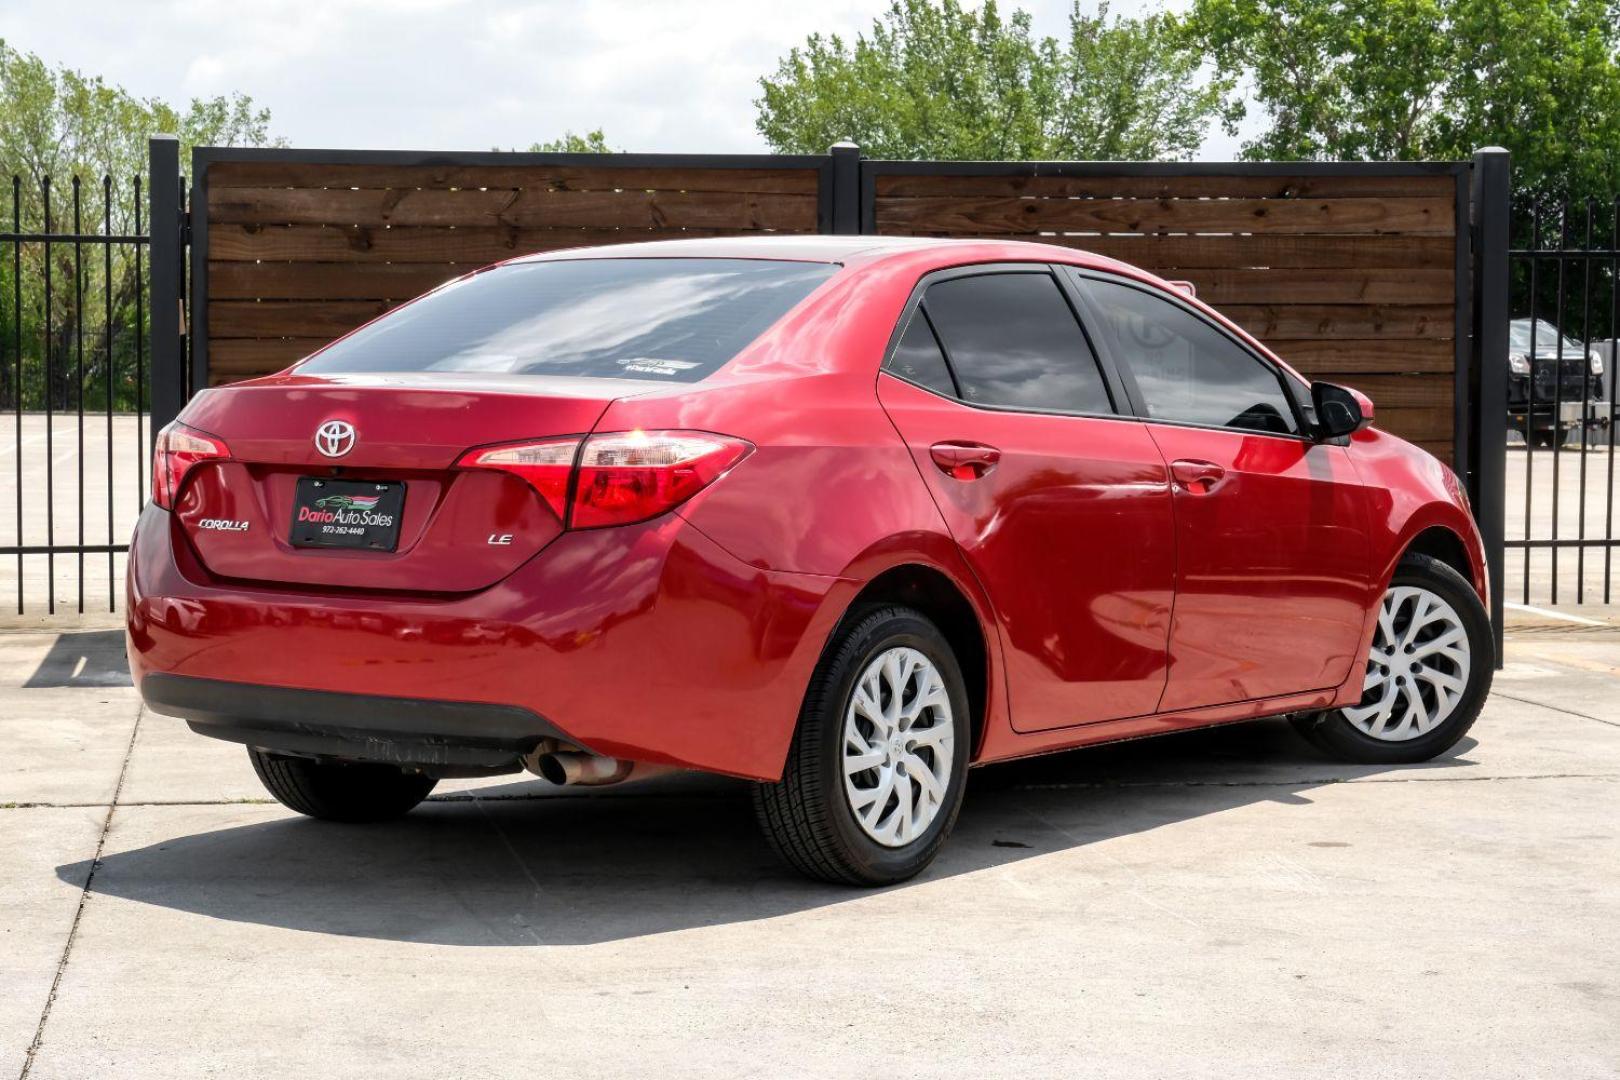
(1196,477)
(964,460)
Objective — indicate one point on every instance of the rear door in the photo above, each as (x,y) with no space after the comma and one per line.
(1060,504)
(1273,552)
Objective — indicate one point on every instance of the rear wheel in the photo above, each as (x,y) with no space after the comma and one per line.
(353,791)
(1430,667)
(875,775)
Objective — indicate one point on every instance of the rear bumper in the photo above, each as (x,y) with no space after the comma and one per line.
(441,736)
(648,642)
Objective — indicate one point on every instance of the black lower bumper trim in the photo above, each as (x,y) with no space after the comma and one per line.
(403,731)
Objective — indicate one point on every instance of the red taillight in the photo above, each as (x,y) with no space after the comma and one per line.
(616,478)
(177,449)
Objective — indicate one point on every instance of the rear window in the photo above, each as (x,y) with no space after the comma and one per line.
(667,319)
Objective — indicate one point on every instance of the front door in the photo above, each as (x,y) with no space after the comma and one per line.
(1061,506)
(1273,553)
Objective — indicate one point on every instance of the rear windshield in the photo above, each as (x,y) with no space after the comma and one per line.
(669,319)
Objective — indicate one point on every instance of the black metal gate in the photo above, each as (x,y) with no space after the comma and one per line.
(1561,394)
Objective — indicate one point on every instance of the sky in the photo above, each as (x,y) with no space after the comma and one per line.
(673,76)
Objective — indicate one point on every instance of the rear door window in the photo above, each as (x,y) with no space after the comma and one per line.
(667,319)
(1013,341)
(917,358)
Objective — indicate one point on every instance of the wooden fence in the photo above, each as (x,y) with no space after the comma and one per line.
(1349,272)
(1354,272)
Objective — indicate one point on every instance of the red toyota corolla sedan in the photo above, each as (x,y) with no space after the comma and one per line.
(843,516)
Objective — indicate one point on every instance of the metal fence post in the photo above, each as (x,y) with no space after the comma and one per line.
(1487,473)
(168,280)
(846,220)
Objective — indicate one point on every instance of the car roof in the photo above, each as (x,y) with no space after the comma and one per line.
(849,250)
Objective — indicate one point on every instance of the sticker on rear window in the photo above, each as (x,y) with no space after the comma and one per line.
(649,365)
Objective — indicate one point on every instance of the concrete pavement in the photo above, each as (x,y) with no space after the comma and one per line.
(1215,904)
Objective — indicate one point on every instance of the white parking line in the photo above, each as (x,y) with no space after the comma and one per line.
(1549,613)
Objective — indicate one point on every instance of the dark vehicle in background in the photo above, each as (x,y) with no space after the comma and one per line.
(1555,385)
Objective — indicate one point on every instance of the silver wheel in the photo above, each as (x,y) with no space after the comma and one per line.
(1417,670)
(898,746)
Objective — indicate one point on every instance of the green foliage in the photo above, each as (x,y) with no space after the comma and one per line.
(936,80)
(592,142)
(1429,79)
(57,124)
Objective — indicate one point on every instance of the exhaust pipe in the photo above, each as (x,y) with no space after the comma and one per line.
(580,769)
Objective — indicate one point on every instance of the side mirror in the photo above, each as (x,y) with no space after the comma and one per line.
(1340,410)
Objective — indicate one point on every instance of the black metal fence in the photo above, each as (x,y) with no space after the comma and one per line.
(73,382)
(1561,397)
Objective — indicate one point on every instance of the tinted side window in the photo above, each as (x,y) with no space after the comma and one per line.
(1012,340)
(1187,370)
(918,358)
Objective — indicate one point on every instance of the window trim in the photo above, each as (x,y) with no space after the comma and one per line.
(1113,386)
(1081,275)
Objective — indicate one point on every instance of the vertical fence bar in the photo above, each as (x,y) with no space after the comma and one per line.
(1558,384)
(1586,401)
(140,355)
(78,348)
(50,418)
(16,344)
(168,271)
(1530,406)
(1612,373)
(107,371)
(1492,167)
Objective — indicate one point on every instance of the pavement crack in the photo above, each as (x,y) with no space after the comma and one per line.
(1306,781)
(84,899)
(1555,708)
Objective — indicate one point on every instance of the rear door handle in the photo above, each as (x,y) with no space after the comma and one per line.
(964,460)
(1196,477)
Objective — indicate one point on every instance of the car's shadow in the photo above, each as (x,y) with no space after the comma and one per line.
(509,868)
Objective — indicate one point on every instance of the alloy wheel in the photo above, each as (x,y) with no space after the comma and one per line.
(1417,670)
(898,746)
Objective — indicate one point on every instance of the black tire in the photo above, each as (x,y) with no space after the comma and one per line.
(1332,733)
(806,816)
(352,791)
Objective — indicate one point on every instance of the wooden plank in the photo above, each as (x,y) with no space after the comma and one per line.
(467,247)
(1432,424)
(1163,253)
(325,281)
(1363,355)
(1168,187)
(1398,391)
(981,214)
(607,177)
(289,318)
(1266,321)
(258,355)
(1323,286)
(591,209)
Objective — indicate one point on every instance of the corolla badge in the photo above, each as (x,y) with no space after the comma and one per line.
(334,438)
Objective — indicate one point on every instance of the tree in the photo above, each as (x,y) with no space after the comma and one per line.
(57,124)
(1415,79)
(933,79)
(592,142)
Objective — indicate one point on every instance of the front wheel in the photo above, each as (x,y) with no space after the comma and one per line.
(353,791)
(874,777)
(1430,667)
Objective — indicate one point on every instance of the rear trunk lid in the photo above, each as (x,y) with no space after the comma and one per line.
(457,530)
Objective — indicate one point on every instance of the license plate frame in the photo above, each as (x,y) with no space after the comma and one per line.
(351,515)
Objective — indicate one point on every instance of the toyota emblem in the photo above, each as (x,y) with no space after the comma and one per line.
(334,438)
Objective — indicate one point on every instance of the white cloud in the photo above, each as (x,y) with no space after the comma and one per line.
(657,75)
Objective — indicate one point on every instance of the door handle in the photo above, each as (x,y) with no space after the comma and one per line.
(964,460)
(1197,477)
